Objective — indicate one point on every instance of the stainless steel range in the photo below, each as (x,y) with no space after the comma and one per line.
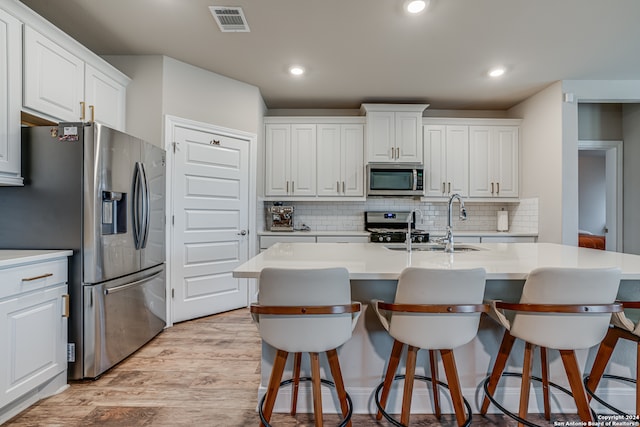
(391,227)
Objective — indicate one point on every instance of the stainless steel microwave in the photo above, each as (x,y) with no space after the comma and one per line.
(395,179)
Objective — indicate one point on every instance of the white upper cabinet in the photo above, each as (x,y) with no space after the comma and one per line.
(53,78)
(394,132)
(340,160)
(10,98)
(290,160)
(446,160)
(63,86)
(105,98)
(494,165)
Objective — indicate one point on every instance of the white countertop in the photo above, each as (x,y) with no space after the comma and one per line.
(372,261)
(13,257)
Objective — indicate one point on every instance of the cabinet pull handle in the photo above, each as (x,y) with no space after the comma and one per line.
(82,111)
(393,153)
(449,189)
(337,186)
(93,113)
(65,305)
(443,187)
(497,188)
(492,188)
(343,190)
(293,187)
(398,153)
(31,279)
(288,187)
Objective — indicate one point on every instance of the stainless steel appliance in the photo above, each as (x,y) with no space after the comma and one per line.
(280,218)
(395,179)
(391,227)
(101,193)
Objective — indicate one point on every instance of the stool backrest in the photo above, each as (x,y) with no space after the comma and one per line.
(305,287)
(437,286)
(566,331)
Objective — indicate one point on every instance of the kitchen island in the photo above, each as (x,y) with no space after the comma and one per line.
(374,270)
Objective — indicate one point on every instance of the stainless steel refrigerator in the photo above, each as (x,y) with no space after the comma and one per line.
(101,193)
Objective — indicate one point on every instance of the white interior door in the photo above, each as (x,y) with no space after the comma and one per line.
(210,193)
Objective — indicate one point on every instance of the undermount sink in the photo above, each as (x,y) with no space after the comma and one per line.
(434,248)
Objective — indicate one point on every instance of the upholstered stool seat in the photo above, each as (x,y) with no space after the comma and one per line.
(625,325)
(305,310)
(437,310)
(560,308)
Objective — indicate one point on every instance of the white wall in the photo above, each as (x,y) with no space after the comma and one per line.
(592,191)
(144,95)
(197,94)
(542,158)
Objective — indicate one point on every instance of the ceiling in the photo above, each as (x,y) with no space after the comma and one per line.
(370,50)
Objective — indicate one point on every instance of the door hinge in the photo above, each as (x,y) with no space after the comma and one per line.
(173,292)
(71,352)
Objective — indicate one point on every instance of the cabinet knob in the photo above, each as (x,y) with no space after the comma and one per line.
(242,233)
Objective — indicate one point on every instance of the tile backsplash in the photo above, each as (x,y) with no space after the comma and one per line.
(349,216)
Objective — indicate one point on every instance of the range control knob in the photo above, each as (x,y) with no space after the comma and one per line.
(387,238)
(420,238)
(380,239)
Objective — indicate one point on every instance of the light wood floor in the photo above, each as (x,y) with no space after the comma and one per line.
(204,372)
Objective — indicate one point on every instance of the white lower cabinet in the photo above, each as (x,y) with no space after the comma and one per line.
(342,239)
(267,241)
(508,239)
(33,333)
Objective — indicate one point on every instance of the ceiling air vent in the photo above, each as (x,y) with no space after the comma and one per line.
(230,19)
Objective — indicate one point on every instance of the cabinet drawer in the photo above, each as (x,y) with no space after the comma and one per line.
(343,239)
(30,277)
(508,239)
(268,241)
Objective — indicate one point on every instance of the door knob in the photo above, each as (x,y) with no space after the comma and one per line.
(242,233)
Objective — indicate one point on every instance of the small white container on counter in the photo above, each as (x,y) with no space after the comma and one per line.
(503,221)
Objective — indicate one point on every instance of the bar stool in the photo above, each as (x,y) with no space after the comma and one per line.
(305,310)
(435,310)
(561,308)
(625,325)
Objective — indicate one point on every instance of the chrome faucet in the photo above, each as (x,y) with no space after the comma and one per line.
(448,238)
(409,221)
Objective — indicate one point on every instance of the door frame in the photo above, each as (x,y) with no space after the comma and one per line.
(170,123)
(613,151)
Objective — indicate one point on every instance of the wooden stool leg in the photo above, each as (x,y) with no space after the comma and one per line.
(498,367)
(274,384)
(394,361)
(434,382)
(545,382)
(317,392)
(525,387)
(297,359)
(575,381)
(602,359)
(410,372)
(336,373)
(451,372)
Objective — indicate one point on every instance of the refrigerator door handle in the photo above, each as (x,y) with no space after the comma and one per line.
(132,284)
(146,208)
(135,206)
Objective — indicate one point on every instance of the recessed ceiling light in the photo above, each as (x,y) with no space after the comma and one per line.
(416,6)
(296,70)
(497,72)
